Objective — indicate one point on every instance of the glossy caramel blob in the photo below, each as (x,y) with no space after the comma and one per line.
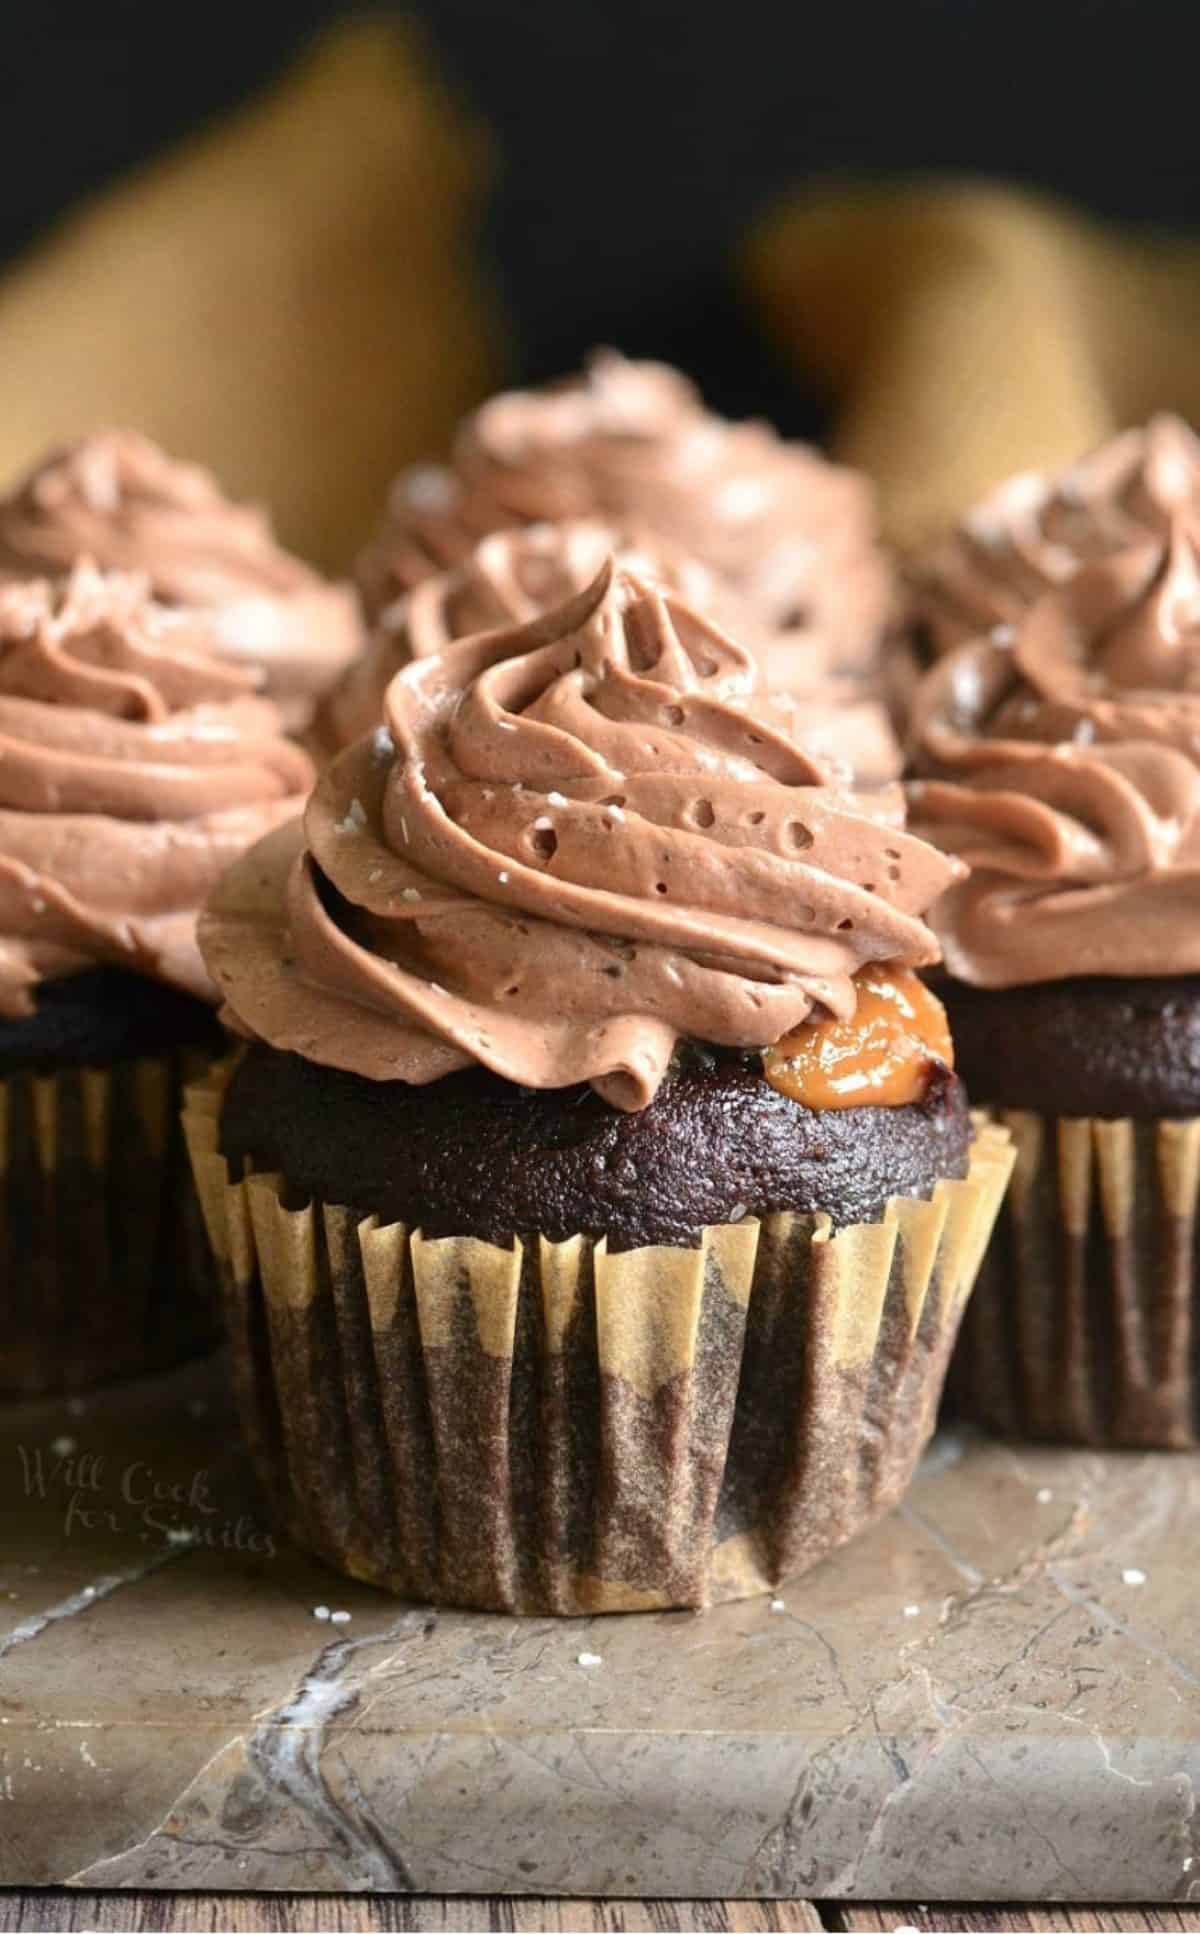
(881,1058)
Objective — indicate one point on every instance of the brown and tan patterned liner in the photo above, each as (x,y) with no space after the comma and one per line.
(558,1429)
(104,1265)
(1083,1327)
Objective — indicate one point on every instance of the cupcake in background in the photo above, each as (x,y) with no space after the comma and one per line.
(121,502)
(1062,762)
(596,1201)
(511,576)
(1035,531)
(631,443)
(135,765)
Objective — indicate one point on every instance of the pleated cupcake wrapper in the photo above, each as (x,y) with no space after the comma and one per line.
(104,1265)
(1084,1325)
(554,1428)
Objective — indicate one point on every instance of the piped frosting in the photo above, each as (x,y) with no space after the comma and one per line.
(1061,760)
(632,443)
(1035,531)
(572,843)
(134,766)
(121,502)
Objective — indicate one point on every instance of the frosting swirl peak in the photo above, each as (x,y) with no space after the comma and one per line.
(1063,765)
(631,442)
(120,501)
(134,765)
(574,841)
(1034,532)
(513,575)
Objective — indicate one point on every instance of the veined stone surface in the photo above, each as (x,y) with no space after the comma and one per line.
(994,1694)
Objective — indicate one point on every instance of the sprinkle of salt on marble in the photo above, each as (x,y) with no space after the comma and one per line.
(779,1605)
(912,1611)
(321,1612)
(589,1659)
(1133,1576)
(339,1618)
(1044,1495)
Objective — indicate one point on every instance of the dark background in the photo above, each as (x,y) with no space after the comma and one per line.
(638,133)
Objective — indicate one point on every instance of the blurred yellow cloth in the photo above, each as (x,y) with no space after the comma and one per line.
(292,297)
(295,298)
(966,332)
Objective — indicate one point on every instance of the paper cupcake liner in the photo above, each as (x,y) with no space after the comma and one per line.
(1083,1327)
(554,1428)
(104,1265)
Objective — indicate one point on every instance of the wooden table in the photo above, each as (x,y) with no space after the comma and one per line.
(129,1913)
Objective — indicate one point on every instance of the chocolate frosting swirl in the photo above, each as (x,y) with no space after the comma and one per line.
(1064,767)
(120,501)
(513,575)
(134,766)
(632,442)
(1034,532)
(572,844)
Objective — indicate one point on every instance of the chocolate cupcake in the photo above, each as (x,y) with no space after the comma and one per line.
(120,502)
(1063,765)
(1034,532)
(513,575)
(633,444)
(596,1202)
(134,766)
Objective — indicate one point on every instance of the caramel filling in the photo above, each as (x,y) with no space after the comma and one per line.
(881,1058)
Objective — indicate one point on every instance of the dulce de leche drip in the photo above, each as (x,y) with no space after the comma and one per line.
(881,1057)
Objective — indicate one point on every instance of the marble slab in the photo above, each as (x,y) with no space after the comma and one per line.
(994,1695)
